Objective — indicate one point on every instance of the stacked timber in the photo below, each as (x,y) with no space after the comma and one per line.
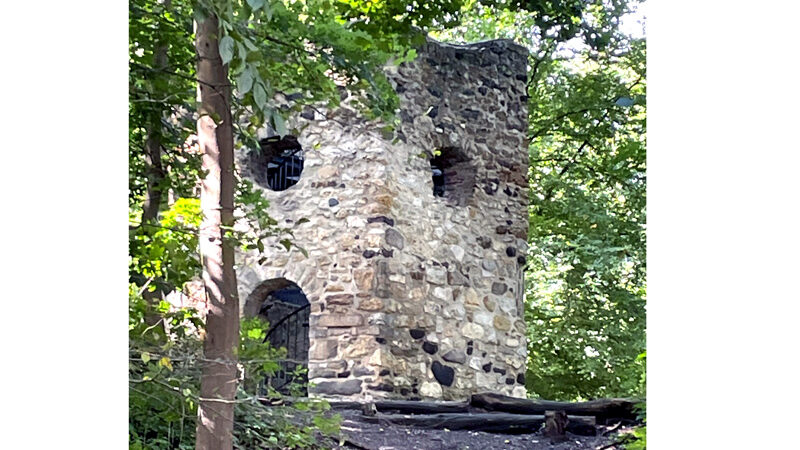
(499,414)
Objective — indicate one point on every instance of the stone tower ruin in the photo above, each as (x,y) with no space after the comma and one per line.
(416,237)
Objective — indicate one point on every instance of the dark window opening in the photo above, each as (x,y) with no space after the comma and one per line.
(453,174)
(287,309)
(279,164)
(438,179)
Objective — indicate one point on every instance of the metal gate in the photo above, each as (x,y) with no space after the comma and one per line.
(291,332)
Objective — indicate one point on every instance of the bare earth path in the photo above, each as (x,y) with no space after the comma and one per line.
(376,436)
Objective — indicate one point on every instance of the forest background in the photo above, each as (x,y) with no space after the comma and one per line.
(700,271)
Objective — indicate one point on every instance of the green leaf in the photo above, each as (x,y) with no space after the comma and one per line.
(242,52)
(286,243)
(165,362)
(302,250)
(278,123)
(226,45)
(255,4)
(145,357)
(268,10)
(260,95)
(199,15)
(245,82)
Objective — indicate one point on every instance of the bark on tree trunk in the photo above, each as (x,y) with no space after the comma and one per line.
(215,134)
(155,175)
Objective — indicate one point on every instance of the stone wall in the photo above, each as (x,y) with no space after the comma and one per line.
(412,295)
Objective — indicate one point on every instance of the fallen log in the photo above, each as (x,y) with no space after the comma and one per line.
(490,422)
(603,409)
(406,406)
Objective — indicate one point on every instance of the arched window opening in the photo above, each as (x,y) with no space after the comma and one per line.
(285,306)
(279,163)
(453,174)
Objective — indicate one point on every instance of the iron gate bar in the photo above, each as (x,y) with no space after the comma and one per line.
(284,319)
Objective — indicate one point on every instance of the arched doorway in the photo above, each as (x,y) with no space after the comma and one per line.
(285,306)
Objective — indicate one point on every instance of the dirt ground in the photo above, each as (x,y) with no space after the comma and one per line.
(374,436)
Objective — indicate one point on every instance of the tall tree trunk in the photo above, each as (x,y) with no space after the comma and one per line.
(215,133)
(152,154)
(155,176)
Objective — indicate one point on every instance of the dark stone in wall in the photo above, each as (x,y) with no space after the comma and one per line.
(387,220)
(499,288)
(433,112)
(499,370)
(488,82)
(521,378)
(443,374)
(470,114)
(294,97)
(509,381)
(430,347)
(332,202)
(386,387)
(511,251)
(361,371)
(387,253)
(308,113)
(416,333)
(348,387)
(484,241)
(487,367)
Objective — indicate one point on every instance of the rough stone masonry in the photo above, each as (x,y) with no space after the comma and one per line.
(412,295)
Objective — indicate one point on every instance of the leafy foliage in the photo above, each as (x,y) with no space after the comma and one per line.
(167,252)
(586,276)
(162,96)
(165,362)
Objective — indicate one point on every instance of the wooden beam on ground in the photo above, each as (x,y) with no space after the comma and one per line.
(490,422)
(616,408)
(406,406)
